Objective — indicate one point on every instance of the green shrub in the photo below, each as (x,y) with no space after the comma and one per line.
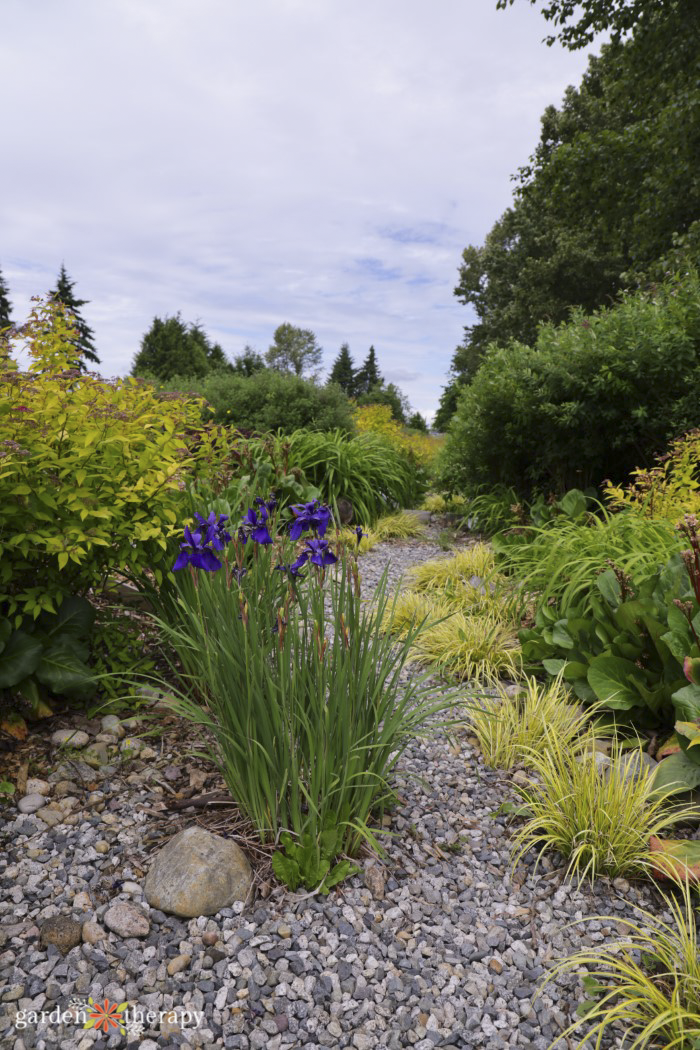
(90,472)
(589,401)
(268,401)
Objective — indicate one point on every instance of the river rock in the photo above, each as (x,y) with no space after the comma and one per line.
(197,873)
(127,920)
(70,737)
(31,803)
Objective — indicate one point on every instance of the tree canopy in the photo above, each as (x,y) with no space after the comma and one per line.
(63,293)
(582,20)
(343,371)
(5,304)
(613,182)
(173,348)
(249,362)
(294,350)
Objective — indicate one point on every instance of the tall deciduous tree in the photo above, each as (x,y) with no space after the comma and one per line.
(613,182)
(5,304)
(63,293)
(294,350)
(582,20)
(343,371)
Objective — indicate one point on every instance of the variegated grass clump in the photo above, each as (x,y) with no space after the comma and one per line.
(599,819)
(434,503)
(510,728)
(478,648)
(469,583)
(465,565)
(647,984)
(400,526)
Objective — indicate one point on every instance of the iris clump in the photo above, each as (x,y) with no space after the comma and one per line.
(299,690)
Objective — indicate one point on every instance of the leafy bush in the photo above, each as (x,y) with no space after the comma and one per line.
(291,675)
(587,402)
(268,401)
(90,472)
(377,419)
(374,476)
(600,821)
(668,490)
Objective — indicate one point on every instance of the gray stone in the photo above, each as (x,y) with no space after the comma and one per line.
(31,803)
(61,931)
(127,920)
(197,873)
(69,738)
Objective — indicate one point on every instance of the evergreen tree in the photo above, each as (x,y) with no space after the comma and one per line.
(368,376)
(249,362)
(343,371)
(417,422)
(216,358)
(5,304)
(63,293)
(171,348)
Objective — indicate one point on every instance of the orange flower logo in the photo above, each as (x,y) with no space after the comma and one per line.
(105,1016)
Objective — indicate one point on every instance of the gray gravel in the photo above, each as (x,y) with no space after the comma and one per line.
(441,945)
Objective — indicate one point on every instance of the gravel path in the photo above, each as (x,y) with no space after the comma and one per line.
(440,946)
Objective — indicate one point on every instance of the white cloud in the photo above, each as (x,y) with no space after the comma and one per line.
(248,164)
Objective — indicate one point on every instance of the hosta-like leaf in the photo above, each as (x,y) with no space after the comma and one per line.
(63,672)
(675,858)
(689,730)
(611,679)
(19,659)
(676,774)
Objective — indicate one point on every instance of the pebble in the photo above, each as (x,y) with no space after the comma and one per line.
(70,738)
(127,920)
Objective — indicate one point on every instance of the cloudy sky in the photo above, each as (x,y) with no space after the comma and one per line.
(310,161)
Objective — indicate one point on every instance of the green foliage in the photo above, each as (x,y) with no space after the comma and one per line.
(248,363)
(172,348)
(294,350)
(267,401)
(613,181)
(343,371)
(417,422)
(83,335)
(5,305)
(48,656)
(368,376)
(669,489)
(618,17)
(90,472)
(301,693)
(372,474)
(592,398)
(390,395)
(398,527)
(309,861)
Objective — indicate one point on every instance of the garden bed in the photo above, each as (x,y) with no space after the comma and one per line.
(441,944)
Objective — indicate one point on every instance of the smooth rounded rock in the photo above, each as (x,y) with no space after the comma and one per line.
(178,964)
(37,787)
(127,920)
(70,738)
(92,932)
(197,873)
(31,803)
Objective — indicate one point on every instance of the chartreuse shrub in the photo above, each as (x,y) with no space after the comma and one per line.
(90,472)
(510,727)
(421,448)
(590,400)
(644,986)
(670,489)
(283,662)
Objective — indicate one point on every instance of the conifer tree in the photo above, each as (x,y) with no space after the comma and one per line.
(343,371)
(368,376)
(5,304)
(63,293)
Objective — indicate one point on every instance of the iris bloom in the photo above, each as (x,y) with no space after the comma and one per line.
(197,552)
(317,552)
(293,570)
(360,534)
(309,516)
(220,535)
(254,524)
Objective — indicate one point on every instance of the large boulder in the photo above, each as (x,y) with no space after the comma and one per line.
(197,873)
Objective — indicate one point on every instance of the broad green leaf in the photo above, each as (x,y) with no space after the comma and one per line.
(64,673)
(611,679)
(675,774)
(19,659)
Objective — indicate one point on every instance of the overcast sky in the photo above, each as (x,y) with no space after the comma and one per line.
(249,163)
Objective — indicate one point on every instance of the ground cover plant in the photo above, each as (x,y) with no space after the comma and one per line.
(283,662)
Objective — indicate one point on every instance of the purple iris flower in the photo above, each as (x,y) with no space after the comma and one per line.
(360,534)
(293,570)
(309,516)
(254,524)
(220,536)
(317,552)
(197,552)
